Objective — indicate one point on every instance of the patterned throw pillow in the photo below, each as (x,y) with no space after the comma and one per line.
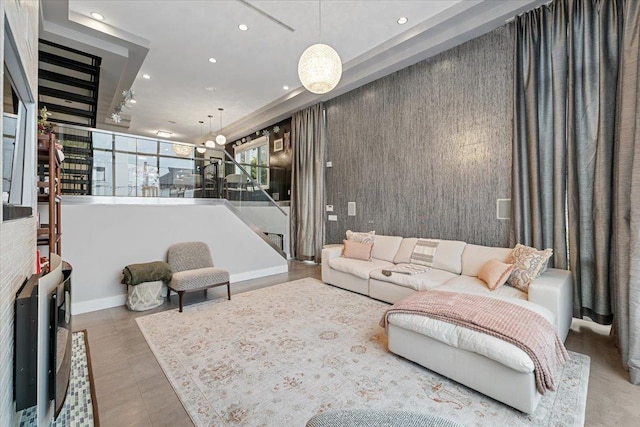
(357,250)
(529,263)
(361,237)
(495,273)
(424,252)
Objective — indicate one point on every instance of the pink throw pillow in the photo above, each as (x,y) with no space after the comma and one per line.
(357,250)
(495,273)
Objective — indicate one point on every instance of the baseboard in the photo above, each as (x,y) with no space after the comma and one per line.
(98,304)
(256,274)
(118,300)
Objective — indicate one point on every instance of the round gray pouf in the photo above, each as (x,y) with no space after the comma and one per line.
(378,418)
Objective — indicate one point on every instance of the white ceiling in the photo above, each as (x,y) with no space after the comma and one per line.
(171,40)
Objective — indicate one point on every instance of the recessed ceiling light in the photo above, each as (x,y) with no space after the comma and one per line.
(209,88)
(96,15)
(403,20)
(146,76)
(285,87)
(243,27)
(212,60)
(163,134)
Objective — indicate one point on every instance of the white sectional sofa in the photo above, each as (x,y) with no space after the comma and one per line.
(481,365)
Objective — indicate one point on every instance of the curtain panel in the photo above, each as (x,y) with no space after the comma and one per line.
(626,196)
(575,183)
(308,135)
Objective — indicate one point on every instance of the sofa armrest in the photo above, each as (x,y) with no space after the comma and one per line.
(553,290)
(328,252)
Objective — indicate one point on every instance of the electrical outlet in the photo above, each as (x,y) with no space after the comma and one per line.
(329,208)
(333,217)
(329,164)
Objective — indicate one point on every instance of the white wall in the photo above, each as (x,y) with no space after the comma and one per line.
(17,238)
(99,240)
(267,218)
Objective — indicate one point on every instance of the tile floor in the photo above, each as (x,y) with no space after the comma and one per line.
(131,389)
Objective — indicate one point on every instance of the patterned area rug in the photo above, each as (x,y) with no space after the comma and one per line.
(79,406)
(279,355)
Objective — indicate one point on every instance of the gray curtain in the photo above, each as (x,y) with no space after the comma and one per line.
(577,66)
(593,40)
(626,247)
(538,195)
(307,183)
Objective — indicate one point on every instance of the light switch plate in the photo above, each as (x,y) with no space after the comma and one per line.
(351,208)
(333,217)
(329,164)
(329,208)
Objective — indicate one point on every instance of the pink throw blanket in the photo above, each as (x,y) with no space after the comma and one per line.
(512,323)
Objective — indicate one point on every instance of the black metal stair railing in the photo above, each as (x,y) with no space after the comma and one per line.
(68,84)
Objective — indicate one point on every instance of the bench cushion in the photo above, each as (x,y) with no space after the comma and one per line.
(358,268)
(476,286)
(419,282)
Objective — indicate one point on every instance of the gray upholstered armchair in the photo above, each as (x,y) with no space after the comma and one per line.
(193,269)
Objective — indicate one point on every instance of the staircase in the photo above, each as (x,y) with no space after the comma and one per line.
(68,82)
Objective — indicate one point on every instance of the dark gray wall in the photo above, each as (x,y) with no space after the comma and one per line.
(426,151)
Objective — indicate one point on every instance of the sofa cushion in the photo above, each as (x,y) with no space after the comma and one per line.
(357,267)
(449,256)
(386,247)
(529,263)
(406,249)
(475,256)
(362,237)
(474,285)
(495,273)
(357,250)
(419,282)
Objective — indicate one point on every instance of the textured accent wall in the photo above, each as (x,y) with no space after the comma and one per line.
(18,237)
(426,151)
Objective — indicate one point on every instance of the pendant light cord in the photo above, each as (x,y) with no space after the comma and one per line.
(320,19)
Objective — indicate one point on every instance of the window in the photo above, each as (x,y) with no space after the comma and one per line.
(18,136)
(254,159)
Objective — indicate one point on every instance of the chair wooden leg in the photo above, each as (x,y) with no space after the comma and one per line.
(168,294)
(228,291)
(180,294)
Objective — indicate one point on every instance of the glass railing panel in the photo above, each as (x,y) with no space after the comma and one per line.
(116,164)
(244,186)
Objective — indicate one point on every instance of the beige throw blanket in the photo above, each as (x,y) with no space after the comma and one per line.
(512,323)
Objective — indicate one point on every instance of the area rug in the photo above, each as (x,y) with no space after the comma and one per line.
(279,355)
(80,406)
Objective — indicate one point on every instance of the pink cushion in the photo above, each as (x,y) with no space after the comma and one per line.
(495,273)
(357,250)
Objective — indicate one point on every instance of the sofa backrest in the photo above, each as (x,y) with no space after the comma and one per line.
(475,256)
(385,247)
(406,249)
(448,255)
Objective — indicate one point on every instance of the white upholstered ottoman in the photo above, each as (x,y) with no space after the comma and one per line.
(482,362)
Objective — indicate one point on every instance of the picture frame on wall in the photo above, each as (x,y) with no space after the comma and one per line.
(278,145)
(287,141)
